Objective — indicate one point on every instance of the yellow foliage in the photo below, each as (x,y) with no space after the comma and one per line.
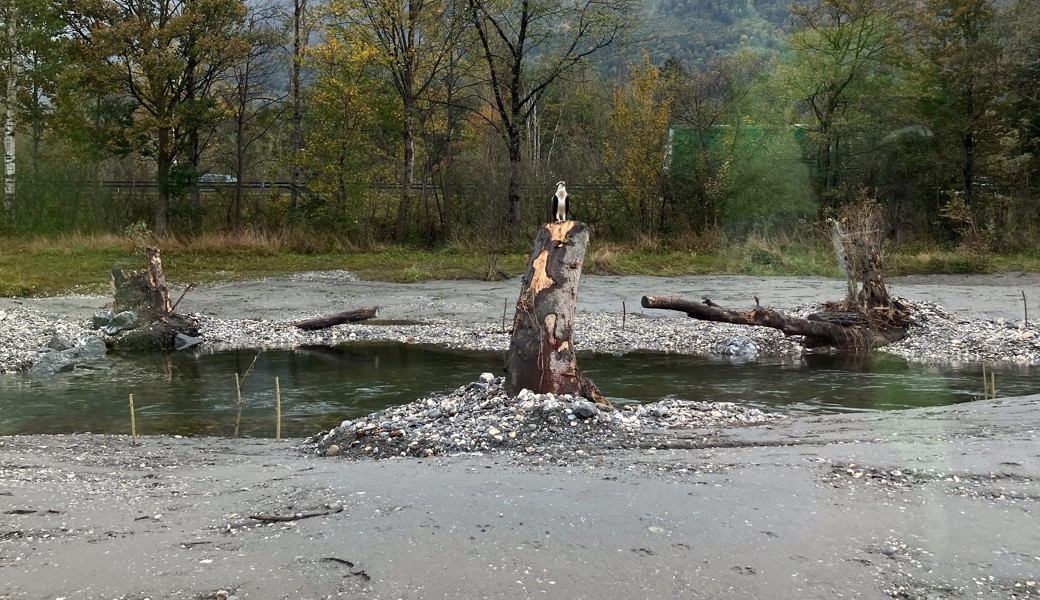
(637,150)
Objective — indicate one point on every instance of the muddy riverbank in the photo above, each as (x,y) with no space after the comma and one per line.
(928,503)
(931,503)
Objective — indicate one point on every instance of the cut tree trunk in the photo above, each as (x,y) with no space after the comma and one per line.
(541,354)
(144,292)
(349,316)
(860,336)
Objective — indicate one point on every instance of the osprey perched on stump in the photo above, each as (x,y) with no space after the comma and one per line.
(559,203)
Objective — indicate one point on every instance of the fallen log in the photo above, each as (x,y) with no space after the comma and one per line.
(350,316)
(541,355)
(860,336)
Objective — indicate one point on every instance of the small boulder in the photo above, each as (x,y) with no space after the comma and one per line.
(738,347)
(583,409)
(121,322)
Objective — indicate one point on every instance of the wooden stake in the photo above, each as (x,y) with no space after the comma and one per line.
(505,305)
(985,384)
(133,422)
(238,414)
(277,409)
(624,314)
(993,383)
(1025,311)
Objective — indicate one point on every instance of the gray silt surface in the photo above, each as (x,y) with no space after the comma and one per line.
(468,301)
(760,512)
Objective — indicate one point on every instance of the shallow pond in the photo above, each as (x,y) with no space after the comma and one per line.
(194,394)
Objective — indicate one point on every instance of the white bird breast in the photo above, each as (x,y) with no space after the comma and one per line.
(560,204)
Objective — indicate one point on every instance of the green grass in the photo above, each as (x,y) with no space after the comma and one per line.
(39,267)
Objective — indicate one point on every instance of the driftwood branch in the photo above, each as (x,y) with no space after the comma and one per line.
(267,518)
(350,316)
(816,332)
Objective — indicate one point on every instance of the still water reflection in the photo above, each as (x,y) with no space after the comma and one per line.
(194,394)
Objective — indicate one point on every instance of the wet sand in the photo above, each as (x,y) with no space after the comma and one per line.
(482,302)
(930,503)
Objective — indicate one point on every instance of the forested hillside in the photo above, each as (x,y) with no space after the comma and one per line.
(695,31)
(432,122)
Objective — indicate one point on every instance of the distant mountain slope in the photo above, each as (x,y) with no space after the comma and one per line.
(695,30)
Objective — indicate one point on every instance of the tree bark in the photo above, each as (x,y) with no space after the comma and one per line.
(515,185)
(408,169)
(10,102)
(349,316)
(143,291)
(300,32)
(541,354)
(816,332)
(164,162)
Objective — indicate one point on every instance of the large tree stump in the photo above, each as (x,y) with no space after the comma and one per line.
(541,353)
(857,239)
(144,293)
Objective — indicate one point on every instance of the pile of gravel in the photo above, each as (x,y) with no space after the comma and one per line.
(481,417)
(26,334)
(942,337)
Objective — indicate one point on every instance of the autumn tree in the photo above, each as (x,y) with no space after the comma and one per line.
(711,111)
(40,61)
(450,97)
(637,148)
(165,55)
(300,24)
(960,72)
(342,157)
(252,99)
(527,45)
(1021,144)
(845,56)
(413,40)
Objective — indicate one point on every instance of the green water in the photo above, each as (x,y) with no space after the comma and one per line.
(194,394)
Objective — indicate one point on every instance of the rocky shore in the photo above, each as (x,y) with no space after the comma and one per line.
(543,496)
(479,417)
(941,336)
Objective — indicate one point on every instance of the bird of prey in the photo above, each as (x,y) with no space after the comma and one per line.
(559,203)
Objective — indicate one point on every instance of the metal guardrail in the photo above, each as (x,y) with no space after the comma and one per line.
(287,185)
(147,185)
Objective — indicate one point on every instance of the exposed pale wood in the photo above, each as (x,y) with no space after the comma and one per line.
(541,355)
(143,291)
(349,316)
(157,282)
